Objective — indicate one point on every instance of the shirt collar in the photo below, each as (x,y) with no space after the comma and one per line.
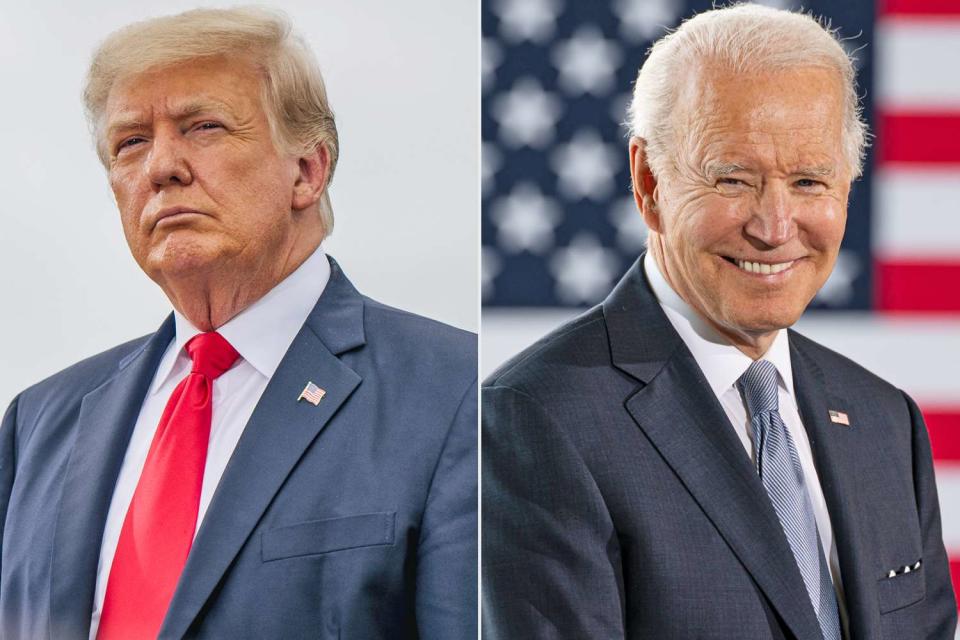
(262,332)
(721,362)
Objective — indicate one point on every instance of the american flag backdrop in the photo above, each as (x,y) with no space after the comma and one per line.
(559,224)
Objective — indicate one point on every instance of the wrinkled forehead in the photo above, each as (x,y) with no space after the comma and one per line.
(183,88)
(788,113)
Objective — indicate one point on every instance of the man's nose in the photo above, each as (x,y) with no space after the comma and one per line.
(166,162)
(772,221)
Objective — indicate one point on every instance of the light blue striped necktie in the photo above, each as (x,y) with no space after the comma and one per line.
(782,477)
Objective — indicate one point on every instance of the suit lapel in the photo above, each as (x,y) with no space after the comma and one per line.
(106,420)
(835,453)
(682,419)
(273,441)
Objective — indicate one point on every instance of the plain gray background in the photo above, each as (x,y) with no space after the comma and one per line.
(403,82)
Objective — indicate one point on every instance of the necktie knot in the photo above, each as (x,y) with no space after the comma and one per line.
(759,386)
(212,355)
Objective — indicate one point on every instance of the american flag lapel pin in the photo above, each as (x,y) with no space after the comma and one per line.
(839,417)
(312,394)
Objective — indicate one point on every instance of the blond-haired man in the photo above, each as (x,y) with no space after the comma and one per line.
(284,457)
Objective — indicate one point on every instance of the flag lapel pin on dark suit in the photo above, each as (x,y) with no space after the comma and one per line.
(312,394)
(839,417)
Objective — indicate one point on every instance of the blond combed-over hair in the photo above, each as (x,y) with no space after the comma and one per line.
(293,93)
(743,38)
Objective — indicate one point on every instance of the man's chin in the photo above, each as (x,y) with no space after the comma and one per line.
(183,265)
(764,322)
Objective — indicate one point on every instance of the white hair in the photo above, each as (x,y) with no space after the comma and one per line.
(744,38)
(292,91)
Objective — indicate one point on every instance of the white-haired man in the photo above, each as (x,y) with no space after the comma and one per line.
(676,463)
(284,458)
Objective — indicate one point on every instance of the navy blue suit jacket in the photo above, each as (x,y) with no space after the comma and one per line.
(619,503)
(355,518)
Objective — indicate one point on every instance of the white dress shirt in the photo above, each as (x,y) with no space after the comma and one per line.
(722,365)
(261,334)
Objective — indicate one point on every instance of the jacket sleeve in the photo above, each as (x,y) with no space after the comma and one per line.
(551,564)
(939,600)
(8,461)
(446,592)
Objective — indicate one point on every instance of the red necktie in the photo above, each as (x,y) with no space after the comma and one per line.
(158,530)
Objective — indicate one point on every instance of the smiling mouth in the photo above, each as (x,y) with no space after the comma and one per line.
(760,268)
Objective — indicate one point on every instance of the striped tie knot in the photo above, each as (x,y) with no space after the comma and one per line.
(212,355)
(759,387)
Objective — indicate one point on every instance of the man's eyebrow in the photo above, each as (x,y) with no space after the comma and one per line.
(199,105)
(125,123)
(818,171)
(720,169)
(179,112)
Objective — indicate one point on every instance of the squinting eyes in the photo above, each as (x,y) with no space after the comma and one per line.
(803,183)
(135,140)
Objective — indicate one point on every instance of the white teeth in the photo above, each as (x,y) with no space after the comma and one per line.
(763,268)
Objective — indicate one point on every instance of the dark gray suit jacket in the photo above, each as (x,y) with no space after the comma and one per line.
(355,518)
(619,503)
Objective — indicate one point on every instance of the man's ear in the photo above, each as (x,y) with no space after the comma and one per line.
(644,184)
(311,181)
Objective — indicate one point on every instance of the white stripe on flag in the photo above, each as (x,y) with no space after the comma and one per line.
(916,213)
(916,353)
(915,60)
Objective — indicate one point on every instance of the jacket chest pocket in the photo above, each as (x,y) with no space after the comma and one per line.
(316,537)
(901,589)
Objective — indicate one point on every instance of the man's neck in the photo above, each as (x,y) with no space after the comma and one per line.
(211,299)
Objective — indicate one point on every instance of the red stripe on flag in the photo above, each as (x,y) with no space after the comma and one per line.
(918,7)
(917,286)
(916,137)
(943,424)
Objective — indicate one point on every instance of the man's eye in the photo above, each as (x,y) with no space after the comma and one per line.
(129,142)
(209,125)
(807,183)
(731,181)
